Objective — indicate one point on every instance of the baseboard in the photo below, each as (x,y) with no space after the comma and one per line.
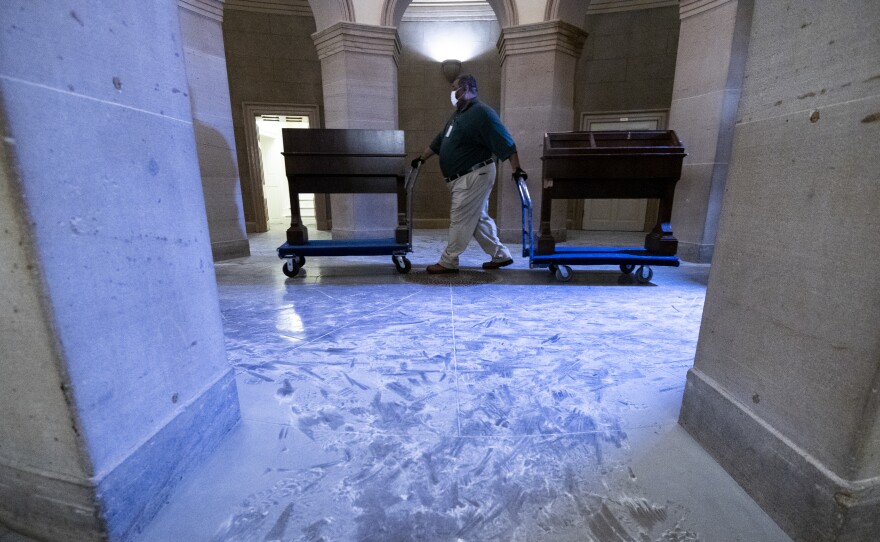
(49,506)
(694,253)
(510,236)
(227,250)
(807,500)
(431,223)
(516,236)
(375,233)
(133,492)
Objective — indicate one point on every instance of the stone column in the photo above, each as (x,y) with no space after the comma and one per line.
(537,96)
(202,35)
(359,75)
(708,77)
(785,388)
(113,371)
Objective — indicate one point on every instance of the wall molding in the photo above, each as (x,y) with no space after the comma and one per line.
(504,11)
(614,6)
(461,10)
(212,9)
(357,38)
(541,37)
(296,8)
(689,8)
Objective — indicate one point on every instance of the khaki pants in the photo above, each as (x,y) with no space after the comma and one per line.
(469,217)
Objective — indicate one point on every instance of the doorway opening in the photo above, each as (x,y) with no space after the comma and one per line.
(267,180)
(275,193)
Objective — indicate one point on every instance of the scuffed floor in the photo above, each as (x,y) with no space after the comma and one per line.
(488,406)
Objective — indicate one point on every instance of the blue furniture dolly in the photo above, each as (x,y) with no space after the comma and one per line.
(560,260)
(605,165)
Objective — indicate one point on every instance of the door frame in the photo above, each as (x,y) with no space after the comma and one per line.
(252,110)
(576,207)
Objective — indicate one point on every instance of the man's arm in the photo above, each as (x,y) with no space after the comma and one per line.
(514,161)
(517,170)
(427,153)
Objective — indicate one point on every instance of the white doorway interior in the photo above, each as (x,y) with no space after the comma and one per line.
(620,214)
(275,192)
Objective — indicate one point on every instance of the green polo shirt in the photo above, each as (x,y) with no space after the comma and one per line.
(470,137)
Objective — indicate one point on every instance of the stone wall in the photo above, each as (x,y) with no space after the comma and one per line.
(423,99)
(784,386)
(270,58)
(113,371)
(212,121)
(628,61)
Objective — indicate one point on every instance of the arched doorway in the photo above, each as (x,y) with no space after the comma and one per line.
(505,11)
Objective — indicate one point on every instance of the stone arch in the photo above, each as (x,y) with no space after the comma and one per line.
(505,12)
(570,11)
(329,12)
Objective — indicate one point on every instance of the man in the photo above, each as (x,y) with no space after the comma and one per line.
(466,147)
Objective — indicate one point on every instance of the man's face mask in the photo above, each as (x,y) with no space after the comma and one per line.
(453,98)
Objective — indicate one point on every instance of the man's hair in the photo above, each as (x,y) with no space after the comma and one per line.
(468,81)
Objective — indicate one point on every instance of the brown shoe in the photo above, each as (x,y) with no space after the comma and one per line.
(437,269)
(496,265)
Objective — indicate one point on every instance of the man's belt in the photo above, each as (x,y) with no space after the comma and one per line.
(472,169)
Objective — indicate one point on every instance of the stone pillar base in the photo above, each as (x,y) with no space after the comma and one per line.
(340,234)
(695,252)
(515,235)
(510,235)
(227,250)
(113,505)
(808,501)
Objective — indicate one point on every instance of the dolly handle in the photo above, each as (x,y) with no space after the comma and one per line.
(523,189)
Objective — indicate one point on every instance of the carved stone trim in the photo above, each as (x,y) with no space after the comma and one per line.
(213,9)
(357,38)
(689,8)
(551,11)
(541,37)
(506,11)
(614,6)
(298,8)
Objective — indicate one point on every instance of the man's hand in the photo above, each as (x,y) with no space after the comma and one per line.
(416,163)
(518,172)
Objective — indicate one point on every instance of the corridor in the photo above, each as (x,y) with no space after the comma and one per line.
(497,405)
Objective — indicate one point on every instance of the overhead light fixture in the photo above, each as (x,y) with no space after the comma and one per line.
(451,69)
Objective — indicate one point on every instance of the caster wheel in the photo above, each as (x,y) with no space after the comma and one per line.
(300,260)
(644,274)
(402,264)
(627,268)
(290,268)
(563,273)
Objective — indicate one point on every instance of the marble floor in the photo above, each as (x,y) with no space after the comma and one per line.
(487,406)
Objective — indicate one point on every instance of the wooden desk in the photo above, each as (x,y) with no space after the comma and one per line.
(334,161)
(612,164)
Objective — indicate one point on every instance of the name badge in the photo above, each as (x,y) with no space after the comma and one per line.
(449,130)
